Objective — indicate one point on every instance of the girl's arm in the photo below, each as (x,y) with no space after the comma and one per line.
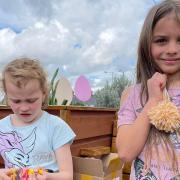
(132,138)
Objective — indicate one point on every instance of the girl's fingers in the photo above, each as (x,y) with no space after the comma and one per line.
(156,85)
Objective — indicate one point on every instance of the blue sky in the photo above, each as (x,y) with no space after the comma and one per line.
(85,37)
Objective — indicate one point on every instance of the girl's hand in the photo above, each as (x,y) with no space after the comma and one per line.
(156,85)
(5,174)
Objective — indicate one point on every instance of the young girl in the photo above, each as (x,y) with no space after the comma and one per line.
(155,154)
(31,137)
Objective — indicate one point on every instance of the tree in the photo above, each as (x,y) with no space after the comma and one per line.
(109,95)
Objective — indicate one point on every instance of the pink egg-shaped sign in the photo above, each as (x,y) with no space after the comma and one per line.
(82,89)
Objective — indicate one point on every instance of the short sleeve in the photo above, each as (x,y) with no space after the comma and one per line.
(126,113)
(62,134)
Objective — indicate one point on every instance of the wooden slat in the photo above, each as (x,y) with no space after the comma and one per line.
(1,162)
(5,112)
(55,112)
(91,124)
(91,142)
(96,151)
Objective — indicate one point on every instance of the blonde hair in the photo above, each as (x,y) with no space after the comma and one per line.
(24,69)
(146,67)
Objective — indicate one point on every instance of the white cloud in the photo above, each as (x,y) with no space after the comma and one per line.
(81,37)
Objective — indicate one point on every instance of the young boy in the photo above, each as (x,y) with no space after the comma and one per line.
(31,137)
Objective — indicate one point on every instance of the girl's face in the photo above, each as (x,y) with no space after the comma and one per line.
(25,102)
(165,46)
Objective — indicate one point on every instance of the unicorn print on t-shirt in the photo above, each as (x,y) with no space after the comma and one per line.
(15,150)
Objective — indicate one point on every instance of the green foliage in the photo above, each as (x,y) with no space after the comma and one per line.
(76,102)
(53,87)
(109,95)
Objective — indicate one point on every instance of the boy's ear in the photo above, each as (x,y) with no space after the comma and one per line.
(43,98)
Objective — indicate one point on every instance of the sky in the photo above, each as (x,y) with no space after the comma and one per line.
(95,38)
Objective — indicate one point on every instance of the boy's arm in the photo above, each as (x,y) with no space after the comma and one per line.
(64,160)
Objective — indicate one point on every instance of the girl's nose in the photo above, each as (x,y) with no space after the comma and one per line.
(173,48)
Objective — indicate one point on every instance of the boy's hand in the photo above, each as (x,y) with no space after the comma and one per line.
(39,174)
(42,177)
(5,174)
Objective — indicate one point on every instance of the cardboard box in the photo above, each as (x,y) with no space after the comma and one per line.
(109,167)
(113,145)
(127,168)
(126,176)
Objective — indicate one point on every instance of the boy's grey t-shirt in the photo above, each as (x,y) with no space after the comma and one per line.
(34,145)
(127,114)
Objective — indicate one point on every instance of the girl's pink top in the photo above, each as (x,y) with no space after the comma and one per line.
(127,114)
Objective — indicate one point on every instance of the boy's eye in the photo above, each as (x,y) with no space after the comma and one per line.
(31,100)
(16,101)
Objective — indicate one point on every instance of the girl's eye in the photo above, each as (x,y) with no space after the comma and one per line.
(160,41)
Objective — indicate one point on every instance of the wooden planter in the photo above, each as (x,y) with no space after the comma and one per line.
(93,126)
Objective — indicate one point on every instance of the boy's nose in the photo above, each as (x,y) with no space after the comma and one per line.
(24,107)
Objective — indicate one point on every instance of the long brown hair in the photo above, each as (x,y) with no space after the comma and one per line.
(146,67)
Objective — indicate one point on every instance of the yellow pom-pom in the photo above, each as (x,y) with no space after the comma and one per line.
(13,174)
(30,171)
(40,171)
(165,116)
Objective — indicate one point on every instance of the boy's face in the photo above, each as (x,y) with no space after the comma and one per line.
(25,102)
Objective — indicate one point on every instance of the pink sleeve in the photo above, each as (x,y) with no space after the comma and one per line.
(126,113)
